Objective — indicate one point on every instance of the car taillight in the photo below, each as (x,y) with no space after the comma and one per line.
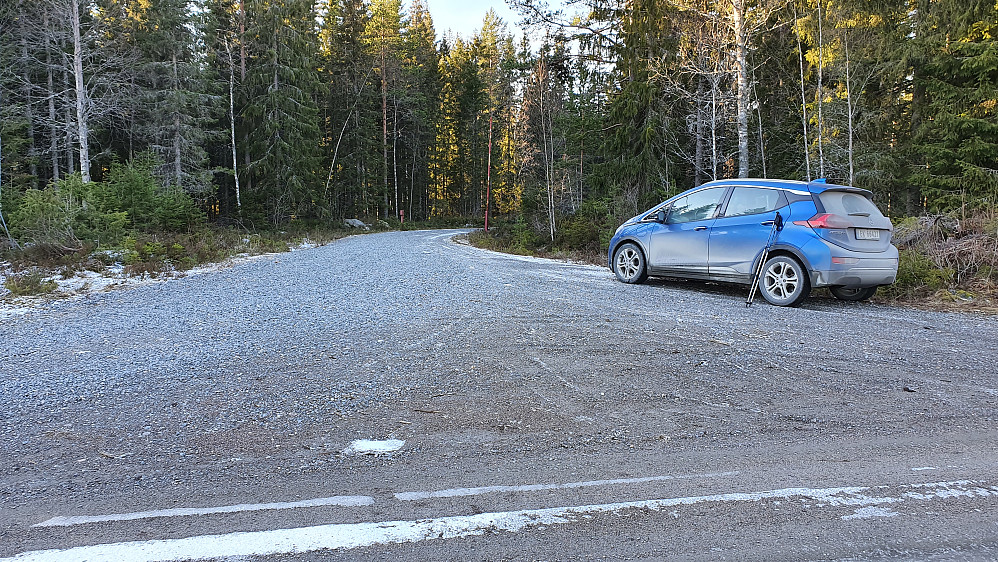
(825,220)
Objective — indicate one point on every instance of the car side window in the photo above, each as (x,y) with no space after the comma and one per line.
(697,206)
(752,201)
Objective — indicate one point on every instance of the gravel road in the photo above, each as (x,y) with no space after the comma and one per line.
(535,384)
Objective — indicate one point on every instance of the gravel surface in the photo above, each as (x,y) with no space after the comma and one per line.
(249,383)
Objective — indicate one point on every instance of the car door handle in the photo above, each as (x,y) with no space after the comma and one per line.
(767,223)
(700,228)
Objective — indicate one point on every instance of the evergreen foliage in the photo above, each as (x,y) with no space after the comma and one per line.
(277,111)
(957,143)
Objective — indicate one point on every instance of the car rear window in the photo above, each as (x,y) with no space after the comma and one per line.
(848,203)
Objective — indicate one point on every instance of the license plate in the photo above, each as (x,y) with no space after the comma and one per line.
(867,234)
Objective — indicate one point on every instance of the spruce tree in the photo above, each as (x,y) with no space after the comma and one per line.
(282,86)
(956,134)
(177,102)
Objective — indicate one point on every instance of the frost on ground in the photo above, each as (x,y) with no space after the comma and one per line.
(113,277)
(870,512)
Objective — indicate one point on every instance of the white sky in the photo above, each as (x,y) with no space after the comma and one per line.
(463,17)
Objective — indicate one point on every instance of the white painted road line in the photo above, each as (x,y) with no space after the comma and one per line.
(353,501)
(457,492)
(345,501)
(356,535)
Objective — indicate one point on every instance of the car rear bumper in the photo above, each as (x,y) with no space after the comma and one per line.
(859,276)
(854,269)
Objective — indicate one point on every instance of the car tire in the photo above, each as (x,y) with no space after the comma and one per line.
(852,294)
(629,263)
(784,282)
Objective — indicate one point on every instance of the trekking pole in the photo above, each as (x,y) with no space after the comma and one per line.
(757,275)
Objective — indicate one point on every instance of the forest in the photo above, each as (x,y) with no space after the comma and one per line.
(135,116)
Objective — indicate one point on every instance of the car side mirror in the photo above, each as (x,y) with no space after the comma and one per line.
(660,216)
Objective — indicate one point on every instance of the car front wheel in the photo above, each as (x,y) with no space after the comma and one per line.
(854,294)
(784,282)
(629,264)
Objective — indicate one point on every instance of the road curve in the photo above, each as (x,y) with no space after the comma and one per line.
(524,409)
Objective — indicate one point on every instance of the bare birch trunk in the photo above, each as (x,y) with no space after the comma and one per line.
(713,128)
(488,174)
(68,121)
(384,124)
(28,111)
(82,99)
(803,106)
(178,167)
(395,164)
(820,94)
(739,14)
(548,156)
(849,108)
(698,163)
(53,129)
(81,93)
(232,124)
(247,157)
(762,138)
(50,82)
(412,176)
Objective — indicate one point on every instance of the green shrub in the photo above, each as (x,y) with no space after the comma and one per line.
(96,218)
(131,188)
(176,211)
(523,239)
(30,283)
(918,276)
(45,218)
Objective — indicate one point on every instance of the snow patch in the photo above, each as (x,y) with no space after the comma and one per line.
(870,513)
(371,447)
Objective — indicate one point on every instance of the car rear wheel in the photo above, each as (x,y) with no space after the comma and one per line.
(853,294)
(784,282)
(629,264)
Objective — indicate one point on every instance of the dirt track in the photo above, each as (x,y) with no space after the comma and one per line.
(245,386)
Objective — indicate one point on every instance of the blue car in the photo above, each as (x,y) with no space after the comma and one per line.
(818,235)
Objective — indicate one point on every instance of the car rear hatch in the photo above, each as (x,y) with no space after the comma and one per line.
(847,217)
